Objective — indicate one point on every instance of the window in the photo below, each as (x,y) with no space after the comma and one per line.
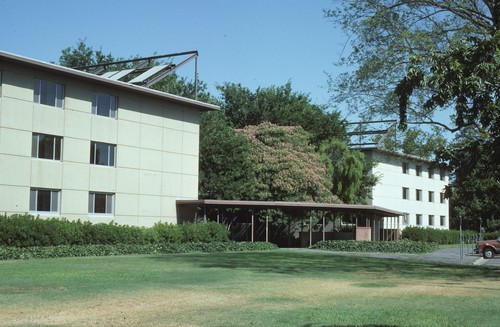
(419,219)
(46,146)
(0,83)
(406,219)
(406,193)
(104,105)
(418,195)
(431,220)
(405,168)
(441,198)
(101,203)
(431,196)
(431,172)
(442,220)
(44,200)
(49,93)
(102,154)
(418,170)
(442,174)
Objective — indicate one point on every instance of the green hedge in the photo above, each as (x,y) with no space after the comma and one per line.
(428,234)
(27,230)
(402,246)
(16,253)
(491,235)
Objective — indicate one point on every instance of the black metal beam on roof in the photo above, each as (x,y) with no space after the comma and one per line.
(195,52)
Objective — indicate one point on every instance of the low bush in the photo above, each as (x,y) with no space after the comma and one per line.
(491,235)
(428,234)
(402,246)
(16,253)
(27,231)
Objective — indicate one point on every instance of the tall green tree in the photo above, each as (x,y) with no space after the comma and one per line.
(282,106)
(421,59)
(350,172)
(227,168)
(385,34)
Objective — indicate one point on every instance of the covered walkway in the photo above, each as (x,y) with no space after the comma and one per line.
(372,222)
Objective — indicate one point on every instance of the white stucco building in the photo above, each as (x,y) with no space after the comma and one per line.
(411,185)
(82,146)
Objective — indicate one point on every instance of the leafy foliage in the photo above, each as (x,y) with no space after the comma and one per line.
(287,166)
(385,34)
(27,230)
(226,167)
(429,57)
(279,105)
(428,234)
(351,180)
(39,252)
(403,246)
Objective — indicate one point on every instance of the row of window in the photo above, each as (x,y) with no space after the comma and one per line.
(52,94)
(44,200)
(419,220)
(418,171)
(419,195)
(45,146)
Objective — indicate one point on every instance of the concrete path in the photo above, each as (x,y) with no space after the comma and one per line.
(446,256)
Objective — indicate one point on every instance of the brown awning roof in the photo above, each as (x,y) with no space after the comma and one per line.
(355,208)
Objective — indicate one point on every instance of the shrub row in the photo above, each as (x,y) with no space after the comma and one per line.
(15,253)
(27,230)
(428,234)
(491,235)
(402,246)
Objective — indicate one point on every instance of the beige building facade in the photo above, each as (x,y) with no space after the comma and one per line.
(79,146)
(411,185)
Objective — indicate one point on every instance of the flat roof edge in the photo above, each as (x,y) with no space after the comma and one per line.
(283,204)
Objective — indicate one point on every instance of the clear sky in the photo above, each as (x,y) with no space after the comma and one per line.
(251,42)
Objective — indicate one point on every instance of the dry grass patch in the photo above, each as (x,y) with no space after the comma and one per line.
(238,289)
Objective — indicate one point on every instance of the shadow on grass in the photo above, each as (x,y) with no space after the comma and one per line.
(295,263)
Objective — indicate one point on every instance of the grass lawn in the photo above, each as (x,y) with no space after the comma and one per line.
(273,288)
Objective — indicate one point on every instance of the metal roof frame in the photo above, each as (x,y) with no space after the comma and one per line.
(96,79)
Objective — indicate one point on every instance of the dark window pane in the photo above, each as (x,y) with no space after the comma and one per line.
(43,200)
(59,95)
(92,152)
(101,154)
(57,151)
(100,203)
(46,147)
(111,150)
(48,93)
(103,105)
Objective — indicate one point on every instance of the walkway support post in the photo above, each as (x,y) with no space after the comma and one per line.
(252,223)
(323,214)
(267,228)
(310,230)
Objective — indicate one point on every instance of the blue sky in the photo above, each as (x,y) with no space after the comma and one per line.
(252,42)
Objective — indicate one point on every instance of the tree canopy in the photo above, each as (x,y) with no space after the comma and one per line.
(385,34)
(287,167)
(282,106)
(419,59)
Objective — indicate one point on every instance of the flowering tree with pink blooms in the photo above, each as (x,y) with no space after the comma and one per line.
(287,167)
